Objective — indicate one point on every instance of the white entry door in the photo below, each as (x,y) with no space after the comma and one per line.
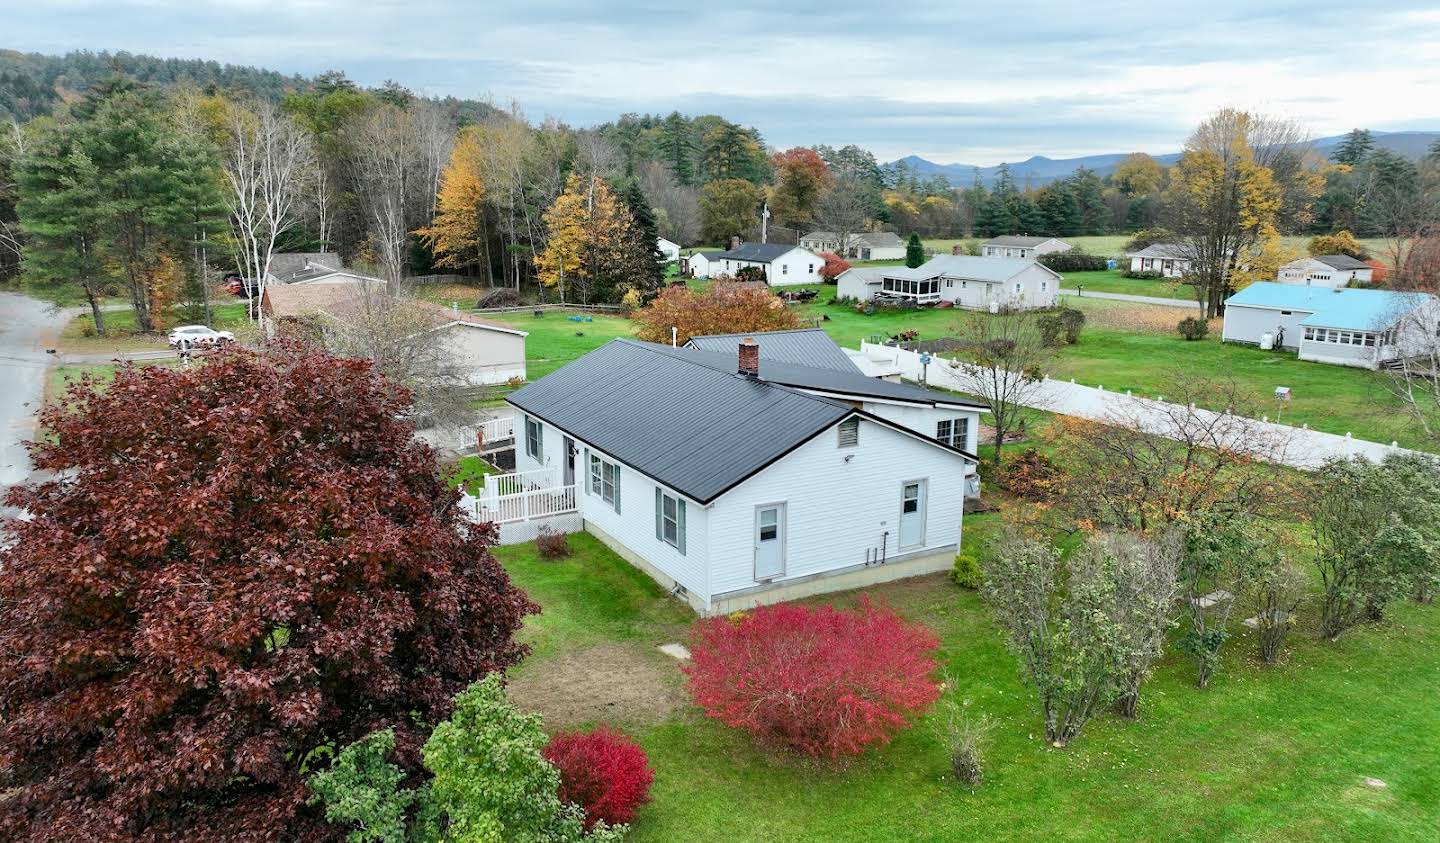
(769,541)
(912,514)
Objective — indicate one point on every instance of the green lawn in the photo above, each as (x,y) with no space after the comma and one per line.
(1265,753)
(470,473)
(1111,281)
(555,340)
(1111,245)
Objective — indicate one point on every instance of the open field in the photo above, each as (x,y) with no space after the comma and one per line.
(1111,245)
(555,340)
(1265,753)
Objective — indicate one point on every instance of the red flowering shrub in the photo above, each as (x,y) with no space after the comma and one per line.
(1379,272)
(604,772)
(815,680)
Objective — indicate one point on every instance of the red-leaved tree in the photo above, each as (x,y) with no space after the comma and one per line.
(237,565)
(815,680)
(724,308)
(604,772)
(833,267)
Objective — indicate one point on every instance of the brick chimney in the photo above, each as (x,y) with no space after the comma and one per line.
(749,357)
(957,249)
(734,242)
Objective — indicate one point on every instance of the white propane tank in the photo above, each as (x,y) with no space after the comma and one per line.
(994,307)
(1267,342)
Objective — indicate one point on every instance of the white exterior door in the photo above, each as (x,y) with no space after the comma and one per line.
(769,541)
(912,514)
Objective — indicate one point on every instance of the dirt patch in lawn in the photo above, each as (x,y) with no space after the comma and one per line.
(629,684)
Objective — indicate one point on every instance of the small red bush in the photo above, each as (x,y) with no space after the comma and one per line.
(819,681)
(604,772)
(1378,271)
(833,267)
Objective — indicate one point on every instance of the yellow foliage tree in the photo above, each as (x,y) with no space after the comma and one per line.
(586,228)
(457,234)
(1339,243)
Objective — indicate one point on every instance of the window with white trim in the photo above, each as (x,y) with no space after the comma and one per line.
(784,269)
(605,481)
(534,441)
(953,432)
(849,433)
(670,519)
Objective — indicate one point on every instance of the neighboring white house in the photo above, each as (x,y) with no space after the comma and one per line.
(1030,248)
(1164,258)
(486,352)
(783,264)
(1325,271)
(698,264)
(964,280)
(863,246)
(668,248)
(735,480)
(1343,326)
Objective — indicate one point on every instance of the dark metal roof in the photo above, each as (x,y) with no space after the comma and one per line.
(758,252)
(695,429)
(1012,240)
(1342,262)
(802,347)
(834,381)
(673,415)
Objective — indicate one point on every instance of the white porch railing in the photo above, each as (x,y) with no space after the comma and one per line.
(494,430)
(530,505)
(497,485)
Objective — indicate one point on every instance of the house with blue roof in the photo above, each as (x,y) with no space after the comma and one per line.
(1346,327)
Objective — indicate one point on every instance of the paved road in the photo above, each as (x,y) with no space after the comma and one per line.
(1298,447)
(1187,304)
(27,328)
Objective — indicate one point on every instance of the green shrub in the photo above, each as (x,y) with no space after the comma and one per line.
(1074,261)
(1144,274)
(966,573)
(1073,321)
(1193,329)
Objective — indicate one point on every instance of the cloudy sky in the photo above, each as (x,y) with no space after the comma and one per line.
(953,82)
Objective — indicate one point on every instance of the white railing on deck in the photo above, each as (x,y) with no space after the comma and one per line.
(495,430)
(508,484)
(526,506)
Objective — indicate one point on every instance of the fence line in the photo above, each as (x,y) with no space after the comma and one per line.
(545,308)
(531,505)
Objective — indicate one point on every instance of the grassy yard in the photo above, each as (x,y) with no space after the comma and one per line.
(1111,245)
(470,473)
(1265,753)
(122,334)
(1136,347)
(1111,281)
(555,340)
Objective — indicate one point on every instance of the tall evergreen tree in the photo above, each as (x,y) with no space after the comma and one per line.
(1089,192)
(914,251)
(642,249)
(1061,211)
(678,147)
(1354,149)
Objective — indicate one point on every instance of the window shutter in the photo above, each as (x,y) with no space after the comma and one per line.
(588,475)
(659,514)
(617,488)
(680,522)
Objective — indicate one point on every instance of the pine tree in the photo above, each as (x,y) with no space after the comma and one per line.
(642,254)
(678,147)
(1060,210)
(1354,149)
(914,252)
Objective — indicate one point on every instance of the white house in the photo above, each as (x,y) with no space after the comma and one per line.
(783,264)
(1325,271)
(486,352)
(1164,258)
(736,480)
(669,248)
(864,246)
(963,280)
(1029,248)
(1343,326)
(697,264)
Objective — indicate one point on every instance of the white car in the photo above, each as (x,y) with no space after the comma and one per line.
(199,336)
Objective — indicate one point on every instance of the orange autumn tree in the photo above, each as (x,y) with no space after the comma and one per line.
(457,233)
(724,308)
(587,229)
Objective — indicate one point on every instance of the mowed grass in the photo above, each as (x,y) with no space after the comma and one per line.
(554,340)
(1135,346)
(1265,753)
(1111,281)
(1113,245)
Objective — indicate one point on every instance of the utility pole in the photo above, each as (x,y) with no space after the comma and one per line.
(765,224)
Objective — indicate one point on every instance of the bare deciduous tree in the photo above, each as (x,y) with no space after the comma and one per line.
(844,209)
(266,162)
(677,206)
(401,337)
(1006,355)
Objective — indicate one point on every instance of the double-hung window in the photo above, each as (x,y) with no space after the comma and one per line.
(534,442)
(953,432)
(670,519)
(605,481)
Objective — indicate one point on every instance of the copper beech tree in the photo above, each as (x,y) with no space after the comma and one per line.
(238,569)
(725,308)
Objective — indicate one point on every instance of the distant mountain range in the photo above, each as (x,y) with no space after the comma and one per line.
(1041,170)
